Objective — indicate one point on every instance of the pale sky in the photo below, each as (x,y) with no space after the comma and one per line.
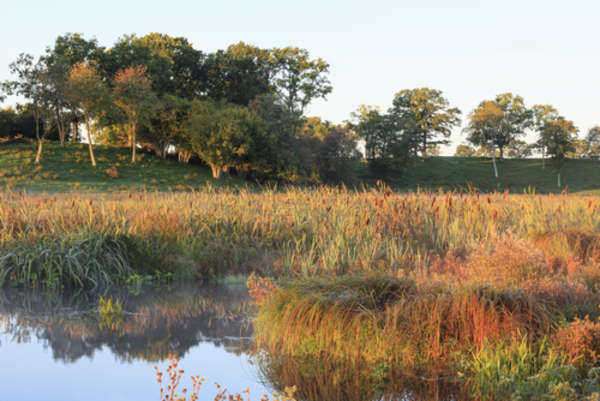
(547,51)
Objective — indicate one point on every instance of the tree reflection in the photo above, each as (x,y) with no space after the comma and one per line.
(318,379)
(154,325)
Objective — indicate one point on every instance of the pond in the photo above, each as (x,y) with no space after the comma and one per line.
(82,347)
(62,348)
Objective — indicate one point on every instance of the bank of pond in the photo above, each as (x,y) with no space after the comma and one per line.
(343,295)
(350,338)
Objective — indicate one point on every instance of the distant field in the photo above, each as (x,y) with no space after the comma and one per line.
(69,169)
(515,175)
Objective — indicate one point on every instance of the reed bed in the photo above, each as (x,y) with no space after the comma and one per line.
(482,342)
(290,233)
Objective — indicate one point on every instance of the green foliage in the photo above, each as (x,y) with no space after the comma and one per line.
(520,371)
(593,140)
(465,151)
(224,136)
(133,95)
(387,149)
(425,118)
(298,79)
(239,74)
(110,313)
(167,125)
(497,123)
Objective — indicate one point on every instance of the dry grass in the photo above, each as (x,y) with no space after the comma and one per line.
(302,232)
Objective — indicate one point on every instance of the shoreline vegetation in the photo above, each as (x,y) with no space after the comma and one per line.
(89,241)
(496,293)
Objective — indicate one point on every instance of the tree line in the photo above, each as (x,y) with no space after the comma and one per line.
(242,110)
(239,110)
(421,119)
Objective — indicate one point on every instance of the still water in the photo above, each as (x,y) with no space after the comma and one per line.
(61,348)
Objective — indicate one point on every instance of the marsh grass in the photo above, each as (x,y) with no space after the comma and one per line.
(290,233)
(88,262)
(380,320)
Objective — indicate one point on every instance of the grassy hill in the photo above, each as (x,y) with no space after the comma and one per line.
(68,169)
(516,175)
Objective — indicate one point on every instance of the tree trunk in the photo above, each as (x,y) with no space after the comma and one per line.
(424,148)
(38,154)
(133,142)
(216,171)
(494,163)
(543,158)
(75,131)
(558,181)
(501,148)
(90,141)
(61,128)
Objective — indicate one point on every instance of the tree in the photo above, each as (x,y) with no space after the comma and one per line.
(558,136)
(485,128)
(7,123)
(337,154)
(166,124)
(425,114)
(298,79)
(465,151)
(68,50)
(281,157)
(171,64)
(29,84)
(223,135)
(593,140)
(581,149)
(133,95)
(516,119)
(496,124)
(519,149)
(542,113)
(387,148)
(89,94)
(239,74)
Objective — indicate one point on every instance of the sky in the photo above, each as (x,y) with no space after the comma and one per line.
(546,51)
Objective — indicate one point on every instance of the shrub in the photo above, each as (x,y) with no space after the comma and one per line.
(580,342)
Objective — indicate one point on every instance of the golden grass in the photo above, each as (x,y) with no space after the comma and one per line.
(303,232)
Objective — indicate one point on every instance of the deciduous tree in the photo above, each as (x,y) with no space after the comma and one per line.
(29,83)
(223,135)
(298,79)
(593,140)
(133,95)
(425,115)
(89,95)
(485,128)
(558,136)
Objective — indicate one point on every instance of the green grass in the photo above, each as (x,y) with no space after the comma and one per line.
(517,176)
(68,168)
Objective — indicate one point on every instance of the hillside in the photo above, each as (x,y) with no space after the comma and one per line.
(516,175)
(69,169)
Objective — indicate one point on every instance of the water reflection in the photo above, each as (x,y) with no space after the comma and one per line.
(319,379)
(61,348)
(154,324)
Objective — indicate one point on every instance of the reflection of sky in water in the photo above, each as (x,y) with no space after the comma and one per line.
(29,371)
